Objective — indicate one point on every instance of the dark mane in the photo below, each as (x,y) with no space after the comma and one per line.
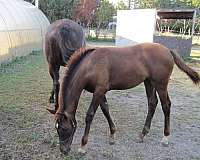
(74,60)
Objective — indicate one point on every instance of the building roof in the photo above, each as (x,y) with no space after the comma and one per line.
(176,14)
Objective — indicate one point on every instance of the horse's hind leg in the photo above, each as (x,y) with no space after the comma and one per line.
(152,103)
(166,105)
(51,72)
(54,72)
(105,110)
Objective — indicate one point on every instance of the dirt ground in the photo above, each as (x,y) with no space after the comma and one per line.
(27,129)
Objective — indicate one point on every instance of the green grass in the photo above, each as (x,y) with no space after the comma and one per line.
(94,39)
(25,76)
(25,85)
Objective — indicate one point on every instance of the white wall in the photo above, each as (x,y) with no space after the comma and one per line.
(135,26)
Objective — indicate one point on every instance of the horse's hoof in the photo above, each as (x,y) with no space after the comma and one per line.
(82,150)
(141,138)
(111,140)
(165,141)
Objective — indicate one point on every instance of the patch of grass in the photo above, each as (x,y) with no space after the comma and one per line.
(24,89)
(95,39)
(24,76)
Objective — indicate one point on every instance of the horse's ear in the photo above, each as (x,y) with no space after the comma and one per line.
(51,111)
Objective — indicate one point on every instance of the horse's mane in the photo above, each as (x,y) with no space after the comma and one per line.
(73,62)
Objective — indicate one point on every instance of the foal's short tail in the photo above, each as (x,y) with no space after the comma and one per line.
(193,75)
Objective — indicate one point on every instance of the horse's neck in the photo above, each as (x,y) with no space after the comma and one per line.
(74,90)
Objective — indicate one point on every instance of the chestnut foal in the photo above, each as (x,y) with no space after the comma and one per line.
(102,69)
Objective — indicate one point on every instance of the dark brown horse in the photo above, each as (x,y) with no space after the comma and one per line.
(62,39)
(102,69)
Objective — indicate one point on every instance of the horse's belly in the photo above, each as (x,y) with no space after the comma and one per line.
(126,82)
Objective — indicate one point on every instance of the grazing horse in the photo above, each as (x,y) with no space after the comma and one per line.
(62,39)
(102,69)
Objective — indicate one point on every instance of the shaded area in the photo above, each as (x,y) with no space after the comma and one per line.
(27,130)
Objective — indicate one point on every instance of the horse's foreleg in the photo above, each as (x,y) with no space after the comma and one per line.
(88,120)
(105,110)
(152,103)
(51,99)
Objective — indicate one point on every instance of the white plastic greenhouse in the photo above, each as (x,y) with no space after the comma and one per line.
(22,28)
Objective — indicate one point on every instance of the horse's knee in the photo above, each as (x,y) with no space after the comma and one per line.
(152,104)
(89,117)
(169,103)
(153,101)
(56,85)
(104,109)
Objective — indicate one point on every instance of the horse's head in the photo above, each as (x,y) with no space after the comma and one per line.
(66,127)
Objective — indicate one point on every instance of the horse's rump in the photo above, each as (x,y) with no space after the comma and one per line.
(62,39)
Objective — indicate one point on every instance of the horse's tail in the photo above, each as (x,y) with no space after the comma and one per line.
(193,75)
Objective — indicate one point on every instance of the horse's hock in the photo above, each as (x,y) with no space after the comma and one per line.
(22,28)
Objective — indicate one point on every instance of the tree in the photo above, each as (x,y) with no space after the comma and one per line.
(85,11)
(104,14)
(121,6)
(56,9)
(196,4)
(147,4)
(163,3)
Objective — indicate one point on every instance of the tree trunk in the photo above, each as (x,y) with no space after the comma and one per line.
(97,31)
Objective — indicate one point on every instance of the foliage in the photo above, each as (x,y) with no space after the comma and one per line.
(163,3)
(98,13)
(57,9)
(85,10)
(97,39)
(104,13)
(121,5)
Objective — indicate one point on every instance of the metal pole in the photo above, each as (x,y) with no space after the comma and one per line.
(193,23)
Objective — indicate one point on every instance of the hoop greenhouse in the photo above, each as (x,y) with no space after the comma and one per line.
(22,28)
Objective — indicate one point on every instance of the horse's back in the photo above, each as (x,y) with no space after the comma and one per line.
(126,67)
